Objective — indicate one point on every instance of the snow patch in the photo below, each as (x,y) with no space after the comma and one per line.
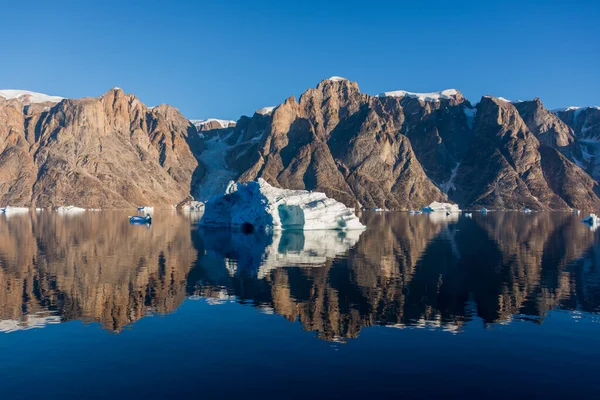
(447,186)
(432,96)
(258,205)
(224,123)
(217,174)
(337,79)
(29,97)
(574,108)
(266,110)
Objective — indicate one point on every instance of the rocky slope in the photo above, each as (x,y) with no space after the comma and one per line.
(397,150)
(111,151)
(402,150)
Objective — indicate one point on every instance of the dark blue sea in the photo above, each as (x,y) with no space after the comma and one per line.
(500,305)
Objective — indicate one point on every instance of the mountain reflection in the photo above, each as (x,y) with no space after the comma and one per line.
(403,271)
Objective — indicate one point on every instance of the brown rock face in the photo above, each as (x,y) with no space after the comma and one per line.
(110,151)
(545,125)
(505,168)
(398,150)
(585,123)
(344,143)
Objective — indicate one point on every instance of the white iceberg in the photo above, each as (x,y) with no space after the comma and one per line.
(71,209)
(441,207)
(592,221)
(258,205)
(10,209)
(526,210)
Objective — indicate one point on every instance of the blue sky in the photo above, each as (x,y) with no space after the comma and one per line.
(227,58)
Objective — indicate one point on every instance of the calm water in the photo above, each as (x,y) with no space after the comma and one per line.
(502,305)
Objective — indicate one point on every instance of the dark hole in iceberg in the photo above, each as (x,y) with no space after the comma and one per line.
(247,227)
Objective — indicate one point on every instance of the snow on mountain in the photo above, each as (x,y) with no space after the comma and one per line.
(574,108)
(431,96)
(266,110)
(224,123)
(337,79)
(29,97)
(217,174)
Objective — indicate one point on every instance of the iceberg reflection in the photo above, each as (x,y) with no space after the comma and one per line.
(259,253)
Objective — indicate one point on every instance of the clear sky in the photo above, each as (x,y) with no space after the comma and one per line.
(224,58)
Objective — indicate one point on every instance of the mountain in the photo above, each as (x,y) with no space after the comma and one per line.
(396,150)
(585,124)
(402,150)
(111,151)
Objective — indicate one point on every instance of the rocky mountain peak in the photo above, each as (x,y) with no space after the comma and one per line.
(545,125)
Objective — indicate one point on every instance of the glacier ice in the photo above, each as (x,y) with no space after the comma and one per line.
(258,205)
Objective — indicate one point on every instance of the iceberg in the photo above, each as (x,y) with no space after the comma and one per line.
(71,209)
(445,207)
(592,221)
(483,210)
(10,209)
(258,205)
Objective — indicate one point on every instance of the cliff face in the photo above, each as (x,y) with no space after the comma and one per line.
(344,143)
(403,150)
(397,150)
(110,151)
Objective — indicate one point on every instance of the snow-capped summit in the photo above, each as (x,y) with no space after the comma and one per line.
(336,79)
(573,108)
(266,110)
(212,123)
(431,96)
(29,97)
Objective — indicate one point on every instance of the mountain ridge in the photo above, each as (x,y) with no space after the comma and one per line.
(396,150)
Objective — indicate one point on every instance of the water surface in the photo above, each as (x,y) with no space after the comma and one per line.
(498,305)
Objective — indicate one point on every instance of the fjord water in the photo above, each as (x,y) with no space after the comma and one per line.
(498,305)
